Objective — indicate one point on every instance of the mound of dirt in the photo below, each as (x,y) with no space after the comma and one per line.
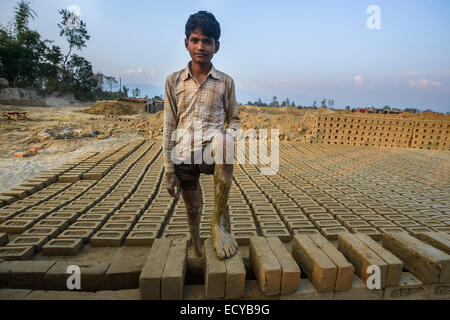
(293,123)
(111,107)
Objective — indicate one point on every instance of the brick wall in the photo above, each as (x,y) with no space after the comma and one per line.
(387,132)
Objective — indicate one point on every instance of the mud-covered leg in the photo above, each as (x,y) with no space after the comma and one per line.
(224,244)
(193,201)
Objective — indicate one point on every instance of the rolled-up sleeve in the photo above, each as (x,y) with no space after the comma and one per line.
(170,125)
(232,120)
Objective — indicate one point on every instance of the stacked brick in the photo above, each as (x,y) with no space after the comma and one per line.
(385,132)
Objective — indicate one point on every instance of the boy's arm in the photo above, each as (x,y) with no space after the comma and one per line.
(232,120)
(170,124)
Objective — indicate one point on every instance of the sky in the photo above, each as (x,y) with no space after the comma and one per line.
(302,50)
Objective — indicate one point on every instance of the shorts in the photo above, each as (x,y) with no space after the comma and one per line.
(189,174)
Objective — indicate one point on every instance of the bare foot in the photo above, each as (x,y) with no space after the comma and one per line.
(223,243)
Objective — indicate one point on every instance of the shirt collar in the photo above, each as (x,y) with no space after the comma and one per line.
(212,72)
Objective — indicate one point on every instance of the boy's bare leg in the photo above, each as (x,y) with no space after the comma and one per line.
(194,203)
(224,244)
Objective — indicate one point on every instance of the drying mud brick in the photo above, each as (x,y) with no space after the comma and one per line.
(15,226)
(84,234)
(29,274)
(6,269)
(265,265)
(61,224)
(290,272)
(282,233)
(304,231)
(427,263)
(408,288)
(332,233)
(235,277)
(41,231)
(345,270)
(94,225)
(62,247)
(436,240)
(3,239)
(151,274)
(108,238)
(372,232)
(320,270)
(16,253)
(395,265)
(361,256)
(92,275)
(141,238)
(174,273)
(36,241)
(242,237)
(215,272)
(125,269)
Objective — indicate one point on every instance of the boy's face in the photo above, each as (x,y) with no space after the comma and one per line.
(200,47)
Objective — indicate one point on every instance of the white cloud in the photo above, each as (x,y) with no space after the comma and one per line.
(358,80)
(133,71)
(424,83)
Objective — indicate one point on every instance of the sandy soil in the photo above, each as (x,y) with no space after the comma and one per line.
(65,132)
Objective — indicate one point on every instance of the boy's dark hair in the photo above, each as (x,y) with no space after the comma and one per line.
(204,21)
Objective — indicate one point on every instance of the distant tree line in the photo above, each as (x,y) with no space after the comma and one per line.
(325,103)
(273,103)
(28,60)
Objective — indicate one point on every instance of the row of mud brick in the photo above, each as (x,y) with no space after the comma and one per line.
(90,166)
(358,130)
(264,205)
(74,216)
(314,268)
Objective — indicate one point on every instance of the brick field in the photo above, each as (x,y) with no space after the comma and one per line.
(308,232)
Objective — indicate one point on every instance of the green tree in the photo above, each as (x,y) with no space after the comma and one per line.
(136,92)
(2,68)
(110,82)
(125,91)
(74,30)
(22,15)
(274,102)
(82,77)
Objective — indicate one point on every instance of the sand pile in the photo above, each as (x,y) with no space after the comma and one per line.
(111,107)
(155,125)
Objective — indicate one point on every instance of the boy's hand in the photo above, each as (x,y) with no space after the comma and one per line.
(173,182)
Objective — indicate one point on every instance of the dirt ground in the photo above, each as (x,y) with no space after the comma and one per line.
(64,132)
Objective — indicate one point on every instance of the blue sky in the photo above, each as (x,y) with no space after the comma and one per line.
(304,50)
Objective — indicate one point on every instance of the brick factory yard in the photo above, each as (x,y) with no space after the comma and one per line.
(334,208)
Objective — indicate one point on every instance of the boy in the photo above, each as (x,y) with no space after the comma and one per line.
(201,101)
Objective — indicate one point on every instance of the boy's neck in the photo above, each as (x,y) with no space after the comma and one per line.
(200,69)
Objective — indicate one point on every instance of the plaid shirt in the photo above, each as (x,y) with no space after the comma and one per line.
(198,108)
